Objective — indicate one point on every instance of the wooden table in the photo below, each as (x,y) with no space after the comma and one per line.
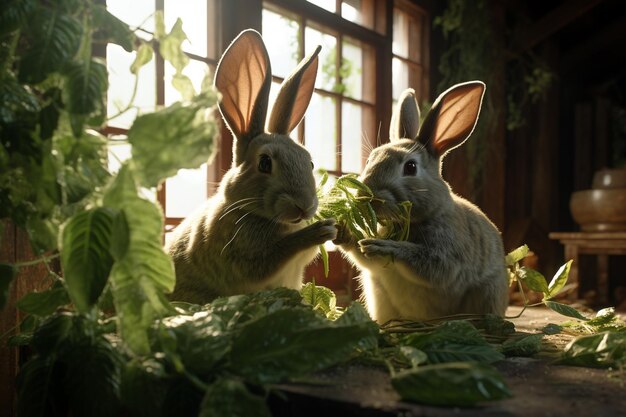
(601,244)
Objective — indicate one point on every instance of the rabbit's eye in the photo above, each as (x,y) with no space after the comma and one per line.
(265,164)
(410,168)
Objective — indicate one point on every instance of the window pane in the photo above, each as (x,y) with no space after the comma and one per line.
(400,32)
(186,192)
(194,17)
(280,34)
(400,75)
(351,137)
(138,13)
(119,151)
(330,5)
(352,70)
(415,38)
(415,80)
(326,76)
(360,12)
(195,70)
(121,84)
(320,133)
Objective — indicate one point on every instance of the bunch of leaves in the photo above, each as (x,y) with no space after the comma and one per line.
(535,281)
(349,201)
(215,359)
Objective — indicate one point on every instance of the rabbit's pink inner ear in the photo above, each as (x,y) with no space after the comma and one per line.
(458,113)
(294,96)
(406,117)
(243,78)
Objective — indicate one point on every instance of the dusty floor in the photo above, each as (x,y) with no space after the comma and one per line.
(539,388)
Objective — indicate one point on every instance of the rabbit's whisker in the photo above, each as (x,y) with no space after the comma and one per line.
(231,239)
(236,208)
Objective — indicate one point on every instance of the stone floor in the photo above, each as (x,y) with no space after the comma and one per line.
(539,387)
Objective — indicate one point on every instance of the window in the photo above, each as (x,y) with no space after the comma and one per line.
(410,62)
(180,194)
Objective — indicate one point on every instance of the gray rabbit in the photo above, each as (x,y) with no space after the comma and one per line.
(453,261)
(253,233)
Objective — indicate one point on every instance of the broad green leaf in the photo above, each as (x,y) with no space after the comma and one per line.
(606,349)
(170,47)
(54,40)
(119,236)
(230,397)
(524,346)
(356,315)
(551,328)
(37,391)
(15,100)
(294,343)
(413,357)
(325,260)
(320,298)
(52,332)
(516,255)
(92,381)
(496,325)
(559,280)
(143,387)
(179,136)
(139,279)
(110,29)
(42,233)
(43,303)
(350,181)
(565,310)
(86,255)
(143,56)
(452,384)
(184,86)
(13,13)
(86,84)
(7,273)
(533,280)
(454,341)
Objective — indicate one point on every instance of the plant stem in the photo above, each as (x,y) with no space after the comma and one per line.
(44,258)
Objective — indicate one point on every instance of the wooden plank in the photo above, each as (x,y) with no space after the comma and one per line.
(554,21)
(8,321)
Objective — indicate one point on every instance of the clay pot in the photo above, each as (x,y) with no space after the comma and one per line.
(600,210)
(609,178)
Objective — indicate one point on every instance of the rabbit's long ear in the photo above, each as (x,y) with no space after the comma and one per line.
(294,96)
(243,77)
(452,118)
(405,121)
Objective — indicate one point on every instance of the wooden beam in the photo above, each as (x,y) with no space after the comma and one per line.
(554,21)
(608,41)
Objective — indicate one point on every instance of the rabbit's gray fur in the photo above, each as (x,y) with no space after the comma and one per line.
(252,234)
(453,260)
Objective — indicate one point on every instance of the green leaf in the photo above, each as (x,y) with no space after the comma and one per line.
(599,350)
(229,397)
(43,303)
(170,47)
(551,328)
(411,356)
(320,298)
(7,273)
(524,346)
(13,13)
(325,261)
(140,278)
(533,279)
(143,387)
(565,310)
(184,86)
(110,29)
(54,40)
(93,379)
(179,136)
(454,341)
(451,384)
(86,256)
(38,388)
(52,332)
(516,255)
(559,280)
(294,343)
(496,325)
(86,84)
(15,100)
(143,56)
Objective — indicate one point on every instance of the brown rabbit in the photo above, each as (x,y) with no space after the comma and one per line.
(253,233)
(453,261)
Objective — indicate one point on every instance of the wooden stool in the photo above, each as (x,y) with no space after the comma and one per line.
(601,244)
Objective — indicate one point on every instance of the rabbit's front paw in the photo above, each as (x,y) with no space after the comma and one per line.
(344,237)
(379,247)
(322,231)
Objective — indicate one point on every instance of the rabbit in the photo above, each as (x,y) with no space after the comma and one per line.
(253,234)
(453,260)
